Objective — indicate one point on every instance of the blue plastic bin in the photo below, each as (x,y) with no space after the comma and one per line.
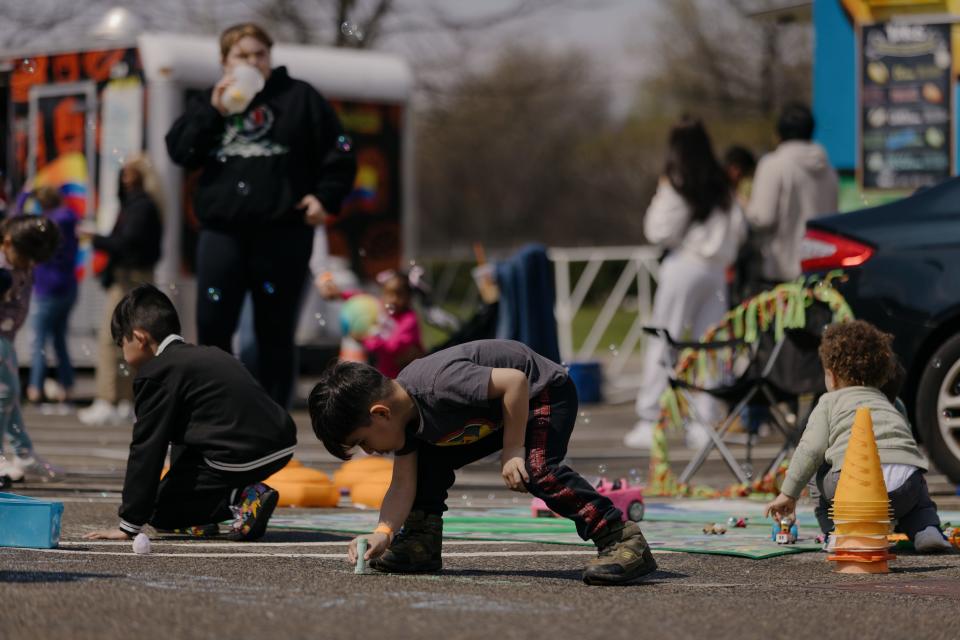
(588,379)
(29,522)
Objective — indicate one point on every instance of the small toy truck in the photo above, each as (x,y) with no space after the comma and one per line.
(785,531)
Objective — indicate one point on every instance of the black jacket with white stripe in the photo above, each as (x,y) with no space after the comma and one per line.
(204,399)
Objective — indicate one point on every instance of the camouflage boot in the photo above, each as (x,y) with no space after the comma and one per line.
(416,549)
(623,556)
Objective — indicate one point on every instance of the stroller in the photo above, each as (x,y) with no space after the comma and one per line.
(775,368)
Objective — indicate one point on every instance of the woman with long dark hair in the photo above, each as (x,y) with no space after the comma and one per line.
(695,217)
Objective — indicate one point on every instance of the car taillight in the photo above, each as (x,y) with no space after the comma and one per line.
(822,250)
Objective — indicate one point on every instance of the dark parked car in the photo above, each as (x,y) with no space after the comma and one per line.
(902,266)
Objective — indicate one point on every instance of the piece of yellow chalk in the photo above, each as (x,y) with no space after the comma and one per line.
(361,551)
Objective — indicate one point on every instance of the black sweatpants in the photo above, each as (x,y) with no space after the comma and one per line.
(193,493)
(913,509)
(272,264)
(549,425)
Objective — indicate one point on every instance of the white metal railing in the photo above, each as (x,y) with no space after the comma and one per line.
(641,263)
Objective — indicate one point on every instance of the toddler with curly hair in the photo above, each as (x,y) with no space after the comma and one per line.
(859,367)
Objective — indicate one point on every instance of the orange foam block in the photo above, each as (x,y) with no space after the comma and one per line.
(301,486)
(368,469)
(369,494)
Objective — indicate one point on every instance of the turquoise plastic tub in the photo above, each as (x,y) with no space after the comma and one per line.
(29,522)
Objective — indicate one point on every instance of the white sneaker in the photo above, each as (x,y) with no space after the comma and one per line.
(99,414)
(696,436)
(125,411)
(37,467)
(641,436)
(829,543)
(930,540)
(11,470)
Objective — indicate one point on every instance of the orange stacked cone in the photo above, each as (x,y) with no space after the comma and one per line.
(366,479)
(300,486)
(861,508)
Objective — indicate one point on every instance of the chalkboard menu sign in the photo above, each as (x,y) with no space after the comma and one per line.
(906,106)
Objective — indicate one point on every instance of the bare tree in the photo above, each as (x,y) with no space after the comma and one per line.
(526,151)
(715,57)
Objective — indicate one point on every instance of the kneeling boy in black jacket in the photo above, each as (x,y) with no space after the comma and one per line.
(227,435)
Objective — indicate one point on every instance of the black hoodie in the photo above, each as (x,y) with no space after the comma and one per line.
(256,166)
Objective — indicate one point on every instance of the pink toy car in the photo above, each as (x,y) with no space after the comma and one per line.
(629,499)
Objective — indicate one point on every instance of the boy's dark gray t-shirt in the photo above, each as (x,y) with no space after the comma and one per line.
(450,389)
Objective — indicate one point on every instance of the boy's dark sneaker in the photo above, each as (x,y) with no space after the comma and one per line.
(417,547)
(255,506)
(198,531)
(623,556)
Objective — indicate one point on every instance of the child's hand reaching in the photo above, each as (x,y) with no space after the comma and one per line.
(782,505)
(377,543)
(514,470)
(108,534)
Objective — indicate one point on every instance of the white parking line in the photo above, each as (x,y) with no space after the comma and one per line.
(240,545)
(319,556)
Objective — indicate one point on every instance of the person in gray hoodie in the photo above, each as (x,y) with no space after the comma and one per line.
(792,184)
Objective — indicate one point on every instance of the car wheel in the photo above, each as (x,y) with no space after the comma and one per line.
(635,511)
(938,408)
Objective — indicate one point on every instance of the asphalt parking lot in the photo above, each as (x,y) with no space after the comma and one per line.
(297,584)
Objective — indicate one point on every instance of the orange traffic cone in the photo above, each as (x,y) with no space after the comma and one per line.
(861,508)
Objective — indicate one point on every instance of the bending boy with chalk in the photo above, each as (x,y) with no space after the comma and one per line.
(455,407)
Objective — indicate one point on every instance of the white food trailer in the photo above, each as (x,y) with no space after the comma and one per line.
(70,115)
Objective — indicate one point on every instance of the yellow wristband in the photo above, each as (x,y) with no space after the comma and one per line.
(382,528)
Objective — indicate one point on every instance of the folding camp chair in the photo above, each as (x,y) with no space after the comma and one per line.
(776,371)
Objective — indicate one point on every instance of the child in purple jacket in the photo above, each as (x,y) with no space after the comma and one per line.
(55,293)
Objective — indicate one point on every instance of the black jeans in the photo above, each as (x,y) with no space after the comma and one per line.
(549,425)
(193,493)
(913,509)
(271,264)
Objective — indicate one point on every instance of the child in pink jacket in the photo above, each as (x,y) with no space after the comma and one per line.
(398,342)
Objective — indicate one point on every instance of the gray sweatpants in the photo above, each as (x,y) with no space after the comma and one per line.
(913,509)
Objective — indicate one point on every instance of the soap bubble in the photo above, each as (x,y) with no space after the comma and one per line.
(320,319)
(27,65)
(221,157)
(362,252)
(634,475)
(352,30)
(344,143)
(464,497)
(124,369)
(491,496)
(602,469)
(937,363)
(269,289)
(213,294)
(243,188)
(613,350)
